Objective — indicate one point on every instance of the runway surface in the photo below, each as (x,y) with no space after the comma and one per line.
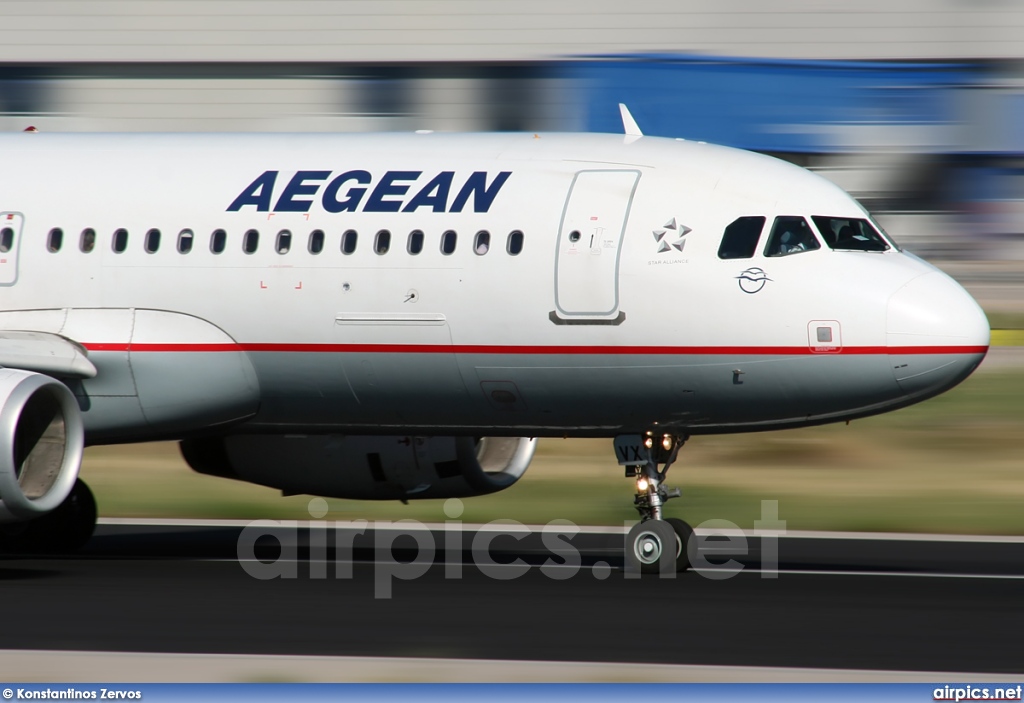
(835,602)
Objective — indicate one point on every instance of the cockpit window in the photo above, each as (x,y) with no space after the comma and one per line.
(885,235)
(740,238)
(850,234)
(790,235)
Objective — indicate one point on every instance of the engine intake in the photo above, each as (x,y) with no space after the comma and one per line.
(366,468)
(41,443)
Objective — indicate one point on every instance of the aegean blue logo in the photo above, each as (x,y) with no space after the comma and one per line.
(752,280)
(361,191)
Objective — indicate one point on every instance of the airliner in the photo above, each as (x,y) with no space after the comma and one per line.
(401,316)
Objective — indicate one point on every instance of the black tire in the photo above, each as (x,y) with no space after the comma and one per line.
(650,548)
(63,531)
(684,534)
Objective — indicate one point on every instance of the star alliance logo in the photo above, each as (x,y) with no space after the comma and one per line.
(670,237)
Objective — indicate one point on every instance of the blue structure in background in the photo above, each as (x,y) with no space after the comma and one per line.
(765,105)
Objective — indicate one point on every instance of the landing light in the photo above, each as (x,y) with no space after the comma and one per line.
(642,484)
(666,442)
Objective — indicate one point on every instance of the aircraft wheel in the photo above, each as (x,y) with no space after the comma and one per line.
(651,547)
(684,533)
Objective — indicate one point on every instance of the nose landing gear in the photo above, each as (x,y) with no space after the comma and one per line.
(655,544)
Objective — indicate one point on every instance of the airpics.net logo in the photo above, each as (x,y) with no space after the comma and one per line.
(977,693)
(329,549)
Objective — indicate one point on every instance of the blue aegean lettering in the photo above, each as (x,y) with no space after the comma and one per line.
(361,191)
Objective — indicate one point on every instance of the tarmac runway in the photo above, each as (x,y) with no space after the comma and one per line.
(832,601)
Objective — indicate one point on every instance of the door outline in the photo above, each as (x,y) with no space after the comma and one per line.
(9,259)
(612,315)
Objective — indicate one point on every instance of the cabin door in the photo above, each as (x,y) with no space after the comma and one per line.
(589,245)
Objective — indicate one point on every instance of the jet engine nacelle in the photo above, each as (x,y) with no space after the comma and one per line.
(366,468)
(41,442)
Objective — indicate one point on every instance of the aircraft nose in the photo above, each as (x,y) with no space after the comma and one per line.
(937,334)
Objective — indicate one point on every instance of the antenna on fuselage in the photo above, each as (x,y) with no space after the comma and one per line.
(629,125)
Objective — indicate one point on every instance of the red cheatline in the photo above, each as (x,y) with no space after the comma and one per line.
(525,349)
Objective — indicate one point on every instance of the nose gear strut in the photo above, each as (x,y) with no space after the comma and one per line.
(655,544)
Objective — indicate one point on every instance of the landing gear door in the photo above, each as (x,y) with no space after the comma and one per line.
(589,246)
(10,242)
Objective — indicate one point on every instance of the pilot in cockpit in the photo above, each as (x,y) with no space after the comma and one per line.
(793,241)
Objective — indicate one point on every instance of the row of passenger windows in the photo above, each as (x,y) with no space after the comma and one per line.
(283,243)
(792,235)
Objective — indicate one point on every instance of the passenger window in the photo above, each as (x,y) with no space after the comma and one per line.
(6,240)
(448,240)
(284,241)
(790,235)
(348,241)
(740,238)
(482,242)
(382,242)
(415,245)
(218,241)
(251,241)
(55,240)
(185,241)
(515,243)
(851,234)
(120,241)
(88,240)
(316,241)
(152,243)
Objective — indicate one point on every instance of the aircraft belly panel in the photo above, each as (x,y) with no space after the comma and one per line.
(534,395)
(770,389)
(361,375)
(186,391)
(303,388)
(399,388)
(111,418)
(393,385)
(929,374)
(684,390)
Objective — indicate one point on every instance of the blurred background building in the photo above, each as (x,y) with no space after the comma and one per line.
(914,106)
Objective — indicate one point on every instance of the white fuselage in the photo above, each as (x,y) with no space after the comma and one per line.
(634,323)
